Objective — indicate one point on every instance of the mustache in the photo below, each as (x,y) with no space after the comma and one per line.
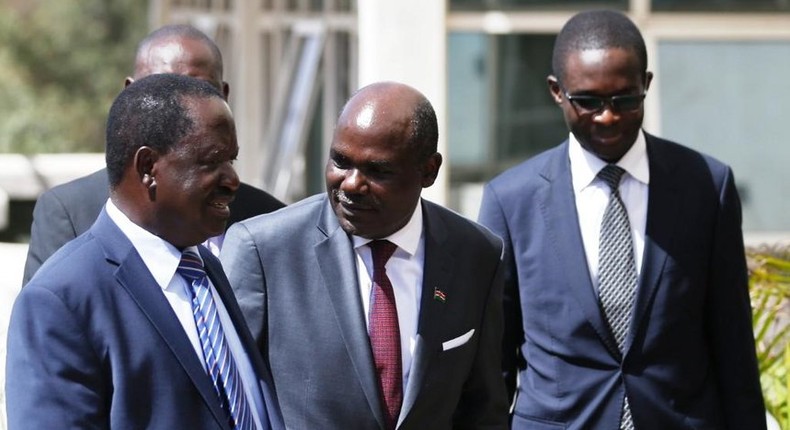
(354,199)
(342,197)
(224,192)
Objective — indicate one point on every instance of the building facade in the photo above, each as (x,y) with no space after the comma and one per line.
(719,87)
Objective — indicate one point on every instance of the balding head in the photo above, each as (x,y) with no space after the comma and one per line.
(383,154)
(182,50)
(397,109)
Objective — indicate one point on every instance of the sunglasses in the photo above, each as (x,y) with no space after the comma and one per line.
(594,104)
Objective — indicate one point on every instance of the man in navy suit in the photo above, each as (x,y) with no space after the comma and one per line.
(675,349)
(106,336)
(69,209)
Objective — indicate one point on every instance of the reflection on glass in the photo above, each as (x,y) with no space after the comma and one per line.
(728,99)
(500,110)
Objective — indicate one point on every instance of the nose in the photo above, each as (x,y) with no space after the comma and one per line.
(229,178)
(354,182)
(606,116)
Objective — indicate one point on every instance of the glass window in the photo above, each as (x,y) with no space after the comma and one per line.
(468,100)
(527,120)
(721,5)
(726,99)
(499,104)
(536,4)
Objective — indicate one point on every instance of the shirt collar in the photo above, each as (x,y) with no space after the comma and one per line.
(407,238)
(585,165)
(159,256)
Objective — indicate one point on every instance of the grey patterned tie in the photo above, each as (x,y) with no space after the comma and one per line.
(616,269)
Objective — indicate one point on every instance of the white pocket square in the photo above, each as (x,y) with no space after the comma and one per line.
(458,341)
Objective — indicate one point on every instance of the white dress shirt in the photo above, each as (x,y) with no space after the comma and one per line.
(214,244)
(592,196)
(162,259)
(404,269)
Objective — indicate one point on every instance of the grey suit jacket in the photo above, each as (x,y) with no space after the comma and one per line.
(295,276)
(67,210)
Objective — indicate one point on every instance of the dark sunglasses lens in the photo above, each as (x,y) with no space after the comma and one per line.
(590,103)
(627,103)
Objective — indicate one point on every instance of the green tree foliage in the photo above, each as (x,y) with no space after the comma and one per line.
(62,62)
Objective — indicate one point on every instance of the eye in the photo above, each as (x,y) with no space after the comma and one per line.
(628,102)
(339,161)
(379,171)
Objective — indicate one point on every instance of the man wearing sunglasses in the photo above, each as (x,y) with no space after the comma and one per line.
(626,298)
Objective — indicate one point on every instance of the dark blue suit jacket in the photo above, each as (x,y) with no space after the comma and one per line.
(68,210)
(689,358)
(94,344)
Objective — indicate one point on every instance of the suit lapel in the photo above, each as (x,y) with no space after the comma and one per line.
(222,285)
(134,277)
(337,262)
(558,208)
(439,258)
(662,208)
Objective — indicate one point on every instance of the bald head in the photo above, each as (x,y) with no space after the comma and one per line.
(397,110)
(182,50)
(383,154)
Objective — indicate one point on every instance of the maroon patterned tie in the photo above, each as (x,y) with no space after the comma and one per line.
(385,333)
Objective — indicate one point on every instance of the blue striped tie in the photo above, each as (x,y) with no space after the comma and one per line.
(219,362)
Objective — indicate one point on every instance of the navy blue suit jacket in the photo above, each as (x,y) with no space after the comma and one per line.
(68,210)
(689,359)
(94,344)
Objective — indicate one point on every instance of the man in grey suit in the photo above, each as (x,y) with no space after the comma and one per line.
(357,340)
(66,211)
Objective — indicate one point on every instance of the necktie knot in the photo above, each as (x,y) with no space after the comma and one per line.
(382,251)
(191,267)
(611,174)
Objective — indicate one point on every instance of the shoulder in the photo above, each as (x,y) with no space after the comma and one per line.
(86,194)
(518,186)
(459,227)
(529,172)
(251,201)
(93,186)
(293,216)
(673,156)
(63,274)
(248,193)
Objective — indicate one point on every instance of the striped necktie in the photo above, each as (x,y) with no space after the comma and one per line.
(219,362)
(617,277)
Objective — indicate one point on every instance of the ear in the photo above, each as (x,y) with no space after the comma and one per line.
(225,90)
(145,168)
(128,81)
(554,88)
(648,79)
(430,170)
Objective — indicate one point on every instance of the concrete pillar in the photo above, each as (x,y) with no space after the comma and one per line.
(406,41)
